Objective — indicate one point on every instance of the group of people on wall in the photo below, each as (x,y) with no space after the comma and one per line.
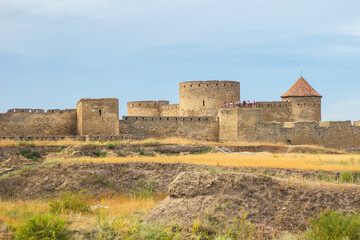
(241,104)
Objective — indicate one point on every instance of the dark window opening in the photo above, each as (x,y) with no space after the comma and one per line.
(100,112)
(203,103)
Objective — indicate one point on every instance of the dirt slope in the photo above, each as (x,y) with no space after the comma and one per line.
(276,204)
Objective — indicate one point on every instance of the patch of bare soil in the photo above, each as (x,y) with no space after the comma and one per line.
(14,163)
(100,178)
(275,204)
(96,178)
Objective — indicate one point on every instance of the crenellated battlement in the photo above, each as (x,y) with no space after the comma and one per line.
(146,104)
(169,107)
(209,83)
(141,118)
(273,104)
(39,111)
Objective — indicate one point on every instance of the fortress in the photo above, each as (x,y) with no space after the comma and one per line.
(200,114)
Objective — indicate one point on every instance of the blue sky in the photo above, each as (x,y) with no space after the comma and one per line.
(54,52)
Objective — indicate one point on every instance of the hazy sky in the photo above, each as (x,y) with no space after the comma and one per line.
(54,52)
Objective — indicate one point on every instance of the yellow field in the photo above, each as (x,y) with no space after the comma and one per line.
(15,213)
(324,162)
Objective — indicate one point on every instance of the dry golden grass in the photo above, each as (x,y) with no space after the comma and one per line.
(15,213)
(324,162)
(122,205)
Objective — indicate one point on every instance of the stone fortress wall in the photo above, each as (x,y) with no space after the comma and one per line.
(37,122)
(205,98)
(247,125)
(294,120)
(201,128)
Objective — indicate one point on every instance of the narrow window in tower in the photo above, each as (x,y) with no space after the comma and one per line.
(100,112)
(203,103)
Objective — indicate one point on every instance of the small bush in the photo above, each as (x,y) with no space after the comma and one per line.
(99,153)
(107,229)
(26,144)
(43,227)
(347,177)
(149,144)
(155,231)
(68,201)
(143,190)
(334,225)
(321,176)
(110,146)
(140,151)
(212,227)
(35,156)
(203,151)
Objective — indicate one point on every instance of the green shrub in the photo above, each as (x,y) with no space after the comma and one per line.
(154,231)
(35,156)
(110,146)
(26,144)
(149,144)
(68,201)
(143,190)
(99,153)
(140,151)
(334,225)
(107,229)
(43,227)
(203,151)
(212,227)
(347,177)
(321,176)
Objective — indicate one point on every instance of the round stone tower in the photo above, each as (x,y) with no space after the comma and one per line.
(305,101)
(205,98)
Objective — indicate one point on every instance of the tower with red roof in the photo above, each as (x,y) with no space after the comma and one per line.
(305,101)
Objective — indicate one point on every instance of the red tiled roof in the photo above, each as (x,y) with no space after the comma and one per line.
(301,88)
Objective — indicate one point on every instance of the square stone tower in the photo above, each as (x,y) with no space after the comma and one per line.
(98,116)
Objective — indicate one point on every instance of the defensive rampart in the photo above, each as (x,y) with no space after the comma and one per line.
(246,125)
(37,122)
(201,128)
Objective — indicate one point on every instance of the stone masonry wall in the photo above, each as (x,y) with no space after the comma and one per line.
(201,128)
(170,110)
(251,128)
(37,122)
(145,108)
(304,108)
(98,116)
(204,98)
(275,111)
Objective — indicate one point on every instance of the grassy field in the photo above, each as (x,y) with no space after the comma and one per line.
(323,162)
(15,213)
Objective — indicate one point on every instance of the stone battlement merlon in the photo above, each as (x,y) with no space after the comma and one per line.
(147,103)
(272,104)
(209,83)
(39,111)
(171,106)
(152,118)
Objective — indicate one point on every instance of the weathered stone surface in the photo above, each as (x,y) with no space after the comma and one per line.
(277,204)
